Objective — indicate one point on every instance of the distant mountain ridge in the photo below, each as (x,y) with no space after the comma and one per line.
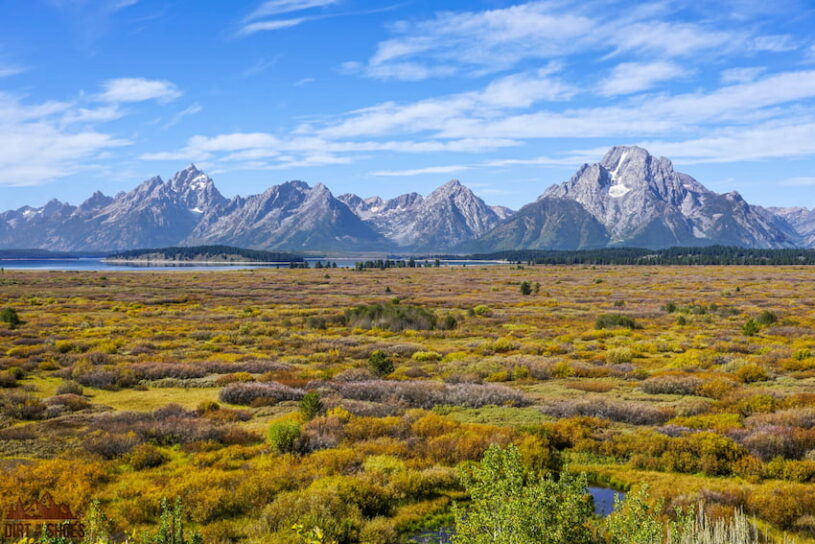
(628,199)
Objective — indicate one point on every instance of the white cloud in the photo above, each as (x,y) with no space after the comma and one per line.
(7,70)
(41,143)
(256,22)
(799,181)
(137,89)
(633,77)
(192,109)
(422,171)
(741,75)
(277,24)
(278,7)
(480,42)
(777,43)
(765,141)
(510,92)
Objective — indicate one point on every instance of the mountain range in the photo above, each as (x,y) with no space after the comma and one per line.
(630,198)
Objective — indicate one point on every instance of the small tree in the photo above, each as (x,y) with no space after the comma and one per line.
(310,405)
(283,436)
(510,505)
(379,363)
(526,288)
(10,316)
(751,328)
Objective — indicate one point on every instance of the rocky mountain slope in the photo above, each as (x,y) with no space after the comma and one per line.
(802,220)
(630,198)
(288,216)
(447,217)
(637,200)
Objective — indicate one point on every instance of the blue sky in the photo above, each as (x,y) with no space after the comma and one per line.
(381,97)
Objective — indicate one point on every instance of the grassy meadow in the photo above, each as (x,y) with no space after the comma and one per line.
(277,401)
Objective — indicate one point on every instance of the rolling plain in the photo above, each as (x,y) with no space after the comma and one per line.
(697,382)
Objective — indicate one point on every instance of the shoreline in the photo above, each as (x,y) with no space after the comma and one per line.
(170,261)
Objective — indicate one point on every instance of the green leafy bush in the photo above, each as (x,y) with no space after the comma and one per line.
(379,363)
(283,436)
(391,316)
(10,317)
(615,321)
(310,405)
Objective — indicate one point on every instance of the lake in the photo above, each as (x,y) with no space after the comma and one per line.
(97,264)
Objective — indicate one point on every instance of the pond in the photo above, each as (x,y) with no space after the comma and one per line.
(604,500)
(602,497)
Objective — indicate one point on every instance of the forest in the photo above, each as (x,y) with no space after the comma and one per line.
(703,255)
(206,253)
(394,405)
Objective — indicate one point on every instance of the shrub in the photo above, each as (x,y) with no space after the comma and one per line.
(625,412)
(750,373)
(509,505)
(283,436)
(525,288)
(310,405)
(69,387)
(8,379)
(424,356)
(146,456)
(315,322)
(615,321)
(110,445)
(391,316)
(751,328)
(482,311)
(671,385)
(617,356)
(766,318)
(246,393)
(379,363)
(669,307)
(420,394)
(10,317)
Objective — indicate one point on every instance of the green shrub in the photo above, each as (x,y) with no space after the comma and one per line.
(146,456)
(615,321)
(391,316)
(310,405)
(766,318)
(482,311)
(379,363)
(69,387)
(284,436)
(526,288)
(510,505)
(617,356)
(751,328)
(10,317)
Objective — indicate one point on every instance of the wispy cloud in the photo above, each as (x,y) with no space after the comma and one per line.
(480,42)
(260,66)
(7,70)
(276,24)
(422,171)
(799,181)
(192,109)
(741,75)
(136,89)
(259,21)
(633,77)
(278,7)
(46,141)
